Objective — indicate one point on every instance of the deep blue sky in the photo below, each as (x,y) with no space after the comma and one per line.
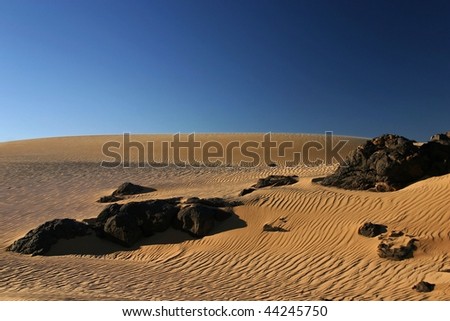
(359,68)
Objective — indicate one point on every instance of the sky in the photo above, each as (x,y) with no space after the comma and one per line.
(359,68)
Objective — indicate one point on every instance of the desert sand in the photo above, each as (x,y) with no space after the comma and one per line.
(321,256)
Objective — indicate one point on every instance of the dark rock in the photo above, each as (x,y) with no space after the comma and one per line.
(388,251)
(396,234)
(39,240)
(125,189)
(246,191)
(127,223)
(128,188)
(272,180)
(371,230)
(109,199)
(441,138)
(213,202)
(199,219)
(271,228)
(391,162)
(423,286)
(276,180)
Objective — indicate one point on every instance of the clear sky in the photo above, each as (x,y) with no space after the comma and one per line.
(359,68)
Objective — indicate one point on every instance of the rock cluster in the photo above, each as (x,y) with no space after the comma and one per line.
(127,223)
(391,162)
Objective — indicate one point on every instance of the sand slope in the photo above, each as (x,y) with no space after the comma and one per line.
(319,257)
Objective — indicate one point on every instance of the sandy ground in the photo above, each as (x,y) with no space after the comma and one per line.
(321,256)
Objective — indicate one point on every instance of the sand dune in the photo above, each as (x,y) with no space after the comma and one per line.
(320,256)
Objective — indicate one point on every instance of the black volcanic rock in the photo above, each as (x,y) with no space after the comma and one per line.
(246,191)
(127,223)
(276,180)
(39,240)
(371,230)
(128,188)
(198,219)
(125,189)
(391,162)
(272,180)
(109,199)
(424,286)
(403,252)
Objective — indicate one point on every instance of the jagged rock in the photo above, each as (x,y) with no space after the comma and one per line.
(369,229)
(199,219)
(276,180)
(39,240)
(127,223)
(246,191)
(391,162)
(387,250)
(271,228)
(441,138)
(424,286)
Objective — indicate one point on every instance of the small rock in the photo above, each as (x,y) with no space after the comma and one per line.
(246,191)
(276,180)
(109,199)
(128,188)
(396,234)
(270,228)
(369,229)
(423,286)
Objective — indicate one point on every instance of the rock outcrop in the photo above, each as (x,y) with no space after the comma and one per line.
(39,240)
(391,162)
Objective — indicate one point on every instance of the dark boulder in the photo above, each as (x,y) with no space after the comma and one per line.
(389,251)
(198,219)
(128,188)
(246,191)
(423,286)
(371,230)
(39,240)
(109,199)
(276,180)
(391,162)
(127,223)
